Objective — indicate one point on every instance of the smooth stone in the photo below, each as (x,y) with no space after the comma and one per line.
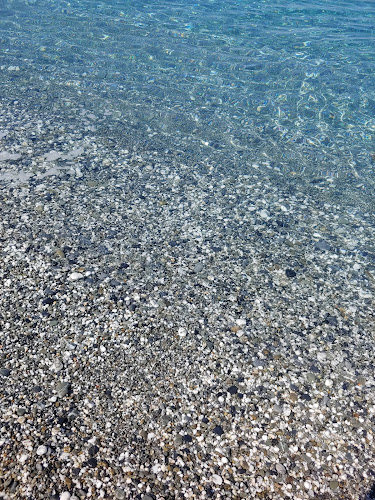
(290,273)
(322,245)
(198,267)
(120,494)
(75,276)
(333,485)
(218,430)
(41,450)
(216,479)
(62,389)
(4,372)
(280,469)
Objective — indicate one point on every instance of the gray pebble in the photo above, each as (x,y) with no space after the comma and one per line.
(120,493)
(4,372)
(280,469)
(322,245)
(198,267)
(62,389)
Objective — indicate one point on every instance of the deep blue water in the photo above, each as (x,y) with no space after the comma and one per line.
(231,81)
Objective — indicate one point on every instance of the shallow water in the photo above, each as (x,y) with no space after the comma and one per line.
(231,82)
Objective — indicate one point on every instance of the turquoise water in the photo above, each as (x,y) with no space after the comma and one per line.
(230,82)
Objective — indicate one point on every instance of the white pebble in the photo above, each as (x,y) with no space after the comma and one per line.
(241,322)
(65,495)
(321,356)
(307,485)
(182,332)
(42,450)
(75,276)
(329,382)
(217,479)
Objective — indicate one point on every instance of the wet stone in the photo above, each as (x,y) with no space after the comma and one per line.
(218,430)
(63,389)
(290,273)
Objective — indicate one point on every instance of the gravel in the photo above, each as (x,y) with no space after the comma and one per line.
(210,333)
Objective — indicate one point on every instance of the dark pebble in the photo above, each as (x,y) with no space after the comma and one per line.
(93,450)
(187,438)
(233,389)
(92,462)
(36,388)
(331,320)
(290,273)
(205,420)
(218,430)
(48,301)
(314,369)
(306,397)
(4,372)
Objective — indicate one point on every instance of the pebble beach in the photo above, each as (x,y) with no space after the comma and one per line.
(179,318)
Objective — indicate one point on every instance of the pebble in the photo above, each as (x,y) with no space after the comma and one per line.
(41,450)
(4,372)
(182,332)
(198,267)
(280,469)
(119,493)
(65,495)
(57,365)
(218,430)
(75,276)
(216,479)
(62,389)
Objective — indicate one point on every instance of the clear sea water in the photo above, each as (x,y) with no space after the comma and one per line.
(229,82)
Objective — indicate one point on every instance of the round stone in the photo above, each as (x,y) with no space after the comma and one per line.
(280,469)
(216,479)
(65,495)
(4,372)
(333,485)
(120,494)
(198,267)
(42,450)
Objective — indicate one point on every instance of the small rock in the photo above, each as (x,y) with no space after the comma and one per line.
(75,276)
(41,450)
(120,494)
(4,372)
(218,430)
(198,267)
(93,450)
(333,485)
(182,332)
(92,462)
(62,389)
(290,273)
(322,245)
(65,495)
(280,469)
(216,479)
